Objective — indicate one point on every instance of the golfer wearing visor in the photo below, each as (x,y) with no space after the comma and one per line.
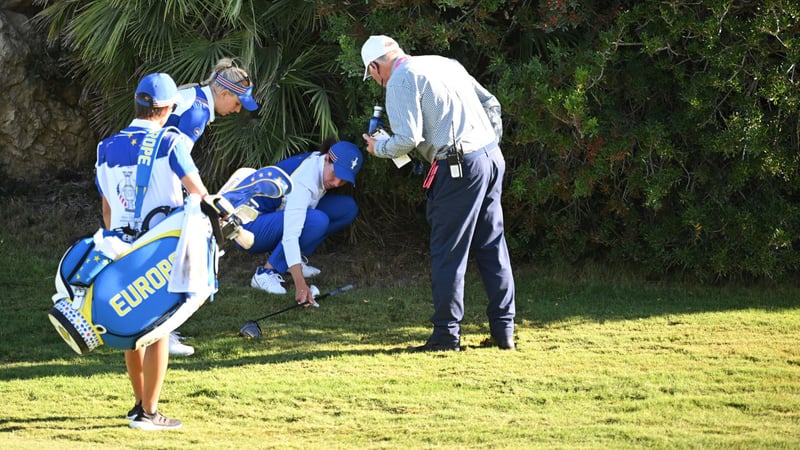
(226,91)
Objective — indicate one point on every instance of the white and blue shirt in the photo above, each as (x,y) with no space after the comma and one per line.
(307,190)
(430,100)
(116,169)
(193,111)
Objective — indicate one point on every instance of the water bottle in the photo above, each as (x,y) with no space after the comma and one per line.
(378,131)
(376,120)
(376,128)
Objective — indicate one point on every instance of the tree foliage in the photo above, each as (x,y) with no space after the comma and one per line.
(114,43)
(660,133)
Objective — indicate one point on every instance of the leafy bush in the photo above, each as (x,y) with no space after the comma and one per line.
(659,134)
(115,43)
(663,135)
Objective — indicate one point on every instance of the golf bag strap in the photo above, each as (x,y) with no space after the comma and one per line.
(147,155)
(213,216)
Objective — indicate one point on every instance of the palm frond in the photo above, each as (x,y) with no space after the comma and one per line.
(115,42)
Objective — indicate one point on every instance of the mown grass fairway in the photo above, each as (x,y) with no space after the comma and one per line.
(602,362)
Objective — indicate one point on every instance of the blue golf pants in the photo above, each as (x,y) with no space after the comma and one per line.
(333,212)
(465,215)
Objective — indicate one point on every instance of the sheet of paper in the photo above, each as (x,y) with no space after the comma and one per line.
(381,134)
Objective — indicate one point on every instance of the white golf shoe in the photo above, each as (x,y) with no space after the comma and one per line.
(176,347)
(309,271)
(268,280)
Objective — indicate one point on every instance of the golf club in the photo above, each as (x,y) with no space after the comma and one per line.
(251,329)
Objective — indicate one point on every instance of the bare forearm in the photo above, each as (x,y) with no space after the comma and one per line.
(193,184)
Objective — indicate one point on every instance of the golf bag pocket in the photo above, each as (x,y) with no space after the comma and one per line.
(92,265)
(132,296)
(70,263)
(82,262)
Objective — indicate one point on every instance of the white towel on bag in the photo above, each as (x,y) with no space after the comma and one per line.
(193,271)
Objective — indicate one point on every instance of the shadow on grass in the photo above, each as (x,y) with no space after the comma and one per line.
(58,423)
(224,351)
(365,321)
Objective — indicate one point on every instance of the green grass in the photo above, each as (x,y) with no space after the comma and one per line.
(603,362)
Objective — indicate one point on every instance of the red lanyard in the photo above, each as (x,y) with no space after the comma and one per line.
(399,61)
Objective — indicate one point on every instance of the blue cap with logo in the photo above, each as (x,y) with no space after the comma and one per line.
(346,159)
(160,88)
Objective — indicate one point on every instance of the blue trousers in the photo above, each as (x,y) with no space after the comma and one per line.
(333,212)
(465,215)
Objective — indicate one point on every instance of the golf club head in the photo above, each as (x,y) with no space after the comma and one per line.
(250,330)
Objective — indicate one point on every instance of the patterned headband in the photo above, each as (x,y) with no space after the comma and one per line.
(236,88)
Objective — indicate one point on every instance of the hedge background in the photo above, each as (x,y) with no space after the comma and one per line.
(660,135)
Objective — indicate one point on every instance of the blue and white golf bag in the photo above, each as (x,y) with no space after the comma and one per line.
(127,295)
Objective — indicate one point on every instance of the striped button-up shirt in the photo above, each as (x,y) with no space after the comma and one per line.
(432,102)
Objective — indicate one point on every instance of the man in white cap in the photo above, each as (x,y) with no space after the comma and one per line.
(436,107)
(171,167)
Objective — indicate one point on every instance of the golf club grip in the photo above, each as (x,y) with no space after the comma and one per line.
(334,292)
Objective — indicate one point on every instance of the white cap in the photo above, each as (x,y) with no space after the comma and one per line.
(374,48)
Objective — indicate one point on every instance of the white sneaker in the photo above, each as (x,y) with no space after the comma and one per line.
(309,271)
(176,347)
(268,280)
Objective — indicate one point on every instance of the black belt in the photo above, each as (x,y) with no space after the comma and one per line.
(485,148)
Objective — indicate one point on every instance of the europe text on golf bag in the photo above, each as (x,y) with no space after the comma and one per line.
(127,295)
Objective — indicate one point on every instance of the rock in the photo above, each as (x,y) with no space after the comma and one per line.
(44,130)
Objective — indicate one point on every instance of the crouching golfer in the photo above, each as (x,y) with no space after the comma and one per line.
(171,167)
(297,224)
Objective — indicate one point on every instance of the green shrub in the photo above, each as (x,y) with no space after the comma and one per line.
(660,135)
